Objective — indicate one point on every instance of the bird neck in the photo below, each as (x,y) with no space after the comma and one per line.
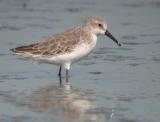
(89,34)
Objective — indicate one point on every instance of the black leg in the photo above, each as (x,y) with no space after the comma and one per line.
(59,73)
(60,80)
(67,73)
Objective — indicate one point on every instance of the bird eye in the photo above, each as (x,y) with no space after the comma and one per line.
(100,25)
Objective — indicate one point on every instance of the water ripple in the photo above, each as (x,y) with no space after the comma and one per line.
(134,43)
(140,4)
(11,77)
(129,37)
(96,73)
(156,59)
(73,10)
(9,27)
(120,58)
(87,63)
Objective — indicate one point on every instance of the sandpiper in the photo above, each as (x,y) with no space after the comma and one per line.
(69,46)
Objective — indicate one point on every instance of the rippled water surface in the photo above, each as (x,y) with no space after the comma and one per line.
(112,84)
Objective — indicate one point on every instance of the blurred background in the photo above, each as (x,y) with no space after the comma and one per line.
(112,84)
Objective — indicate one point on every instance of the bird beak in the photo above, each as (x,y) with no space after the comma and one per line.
(107,33)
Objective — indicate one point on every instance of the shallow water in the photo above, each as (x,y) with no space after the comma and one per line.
(113,84)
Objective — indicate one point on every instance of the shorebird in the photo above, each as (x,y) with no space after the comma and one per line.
(69,46)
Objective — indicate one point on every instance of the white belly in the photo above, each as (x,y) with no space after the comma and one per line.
(79,52)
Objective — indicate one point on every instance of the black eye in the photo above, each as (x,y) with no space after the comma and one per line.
(100,25)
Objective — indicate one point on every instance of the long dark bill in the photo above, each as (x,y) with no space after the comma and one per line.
(107,33)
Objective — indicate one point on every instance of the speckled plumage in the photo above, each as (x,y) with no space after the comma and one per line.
(61,43)
(69,46)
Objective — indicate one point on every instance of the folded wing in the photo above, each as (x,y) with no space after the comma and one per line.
(58,44)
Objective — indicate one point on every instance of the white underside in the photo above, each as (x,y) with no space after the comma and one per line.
(66,59)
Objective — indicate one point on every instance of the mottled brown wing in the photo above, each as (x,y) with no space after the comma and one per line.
(32,48)
(60,43)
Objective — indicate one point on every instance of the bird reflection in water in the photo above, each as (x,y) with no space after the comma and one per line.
(65,101)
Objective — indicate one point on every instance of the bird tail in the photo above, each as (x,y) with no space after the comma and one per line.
(29,49)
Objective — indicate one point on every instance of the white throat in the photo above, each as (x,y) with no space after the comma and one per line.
(94,39)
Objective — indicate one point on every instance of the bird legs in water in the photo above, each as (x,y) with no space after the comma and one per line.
(60,69)
(60,74)
(67,73)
